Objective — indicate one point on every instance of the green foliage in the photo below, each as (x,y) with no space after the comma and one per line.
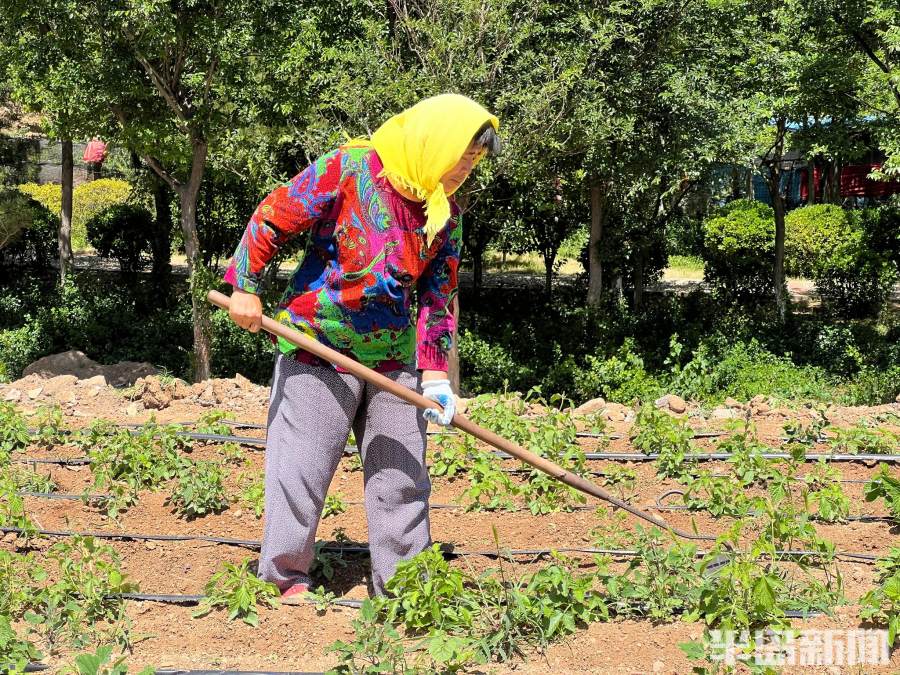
(252,493)
(88,200)
(660,583)
(658,433)
(15,653)
(832,246)
(19,576)
(882,604)
(13,431)
(237,589)
(213,422)
(82,604)
(28,230)
(885,486)
(334,506)
(739,252)
(872,386)
(101,662)
(123,232)
(198,489)
(825,493)
(621,378)
(487,366)
(325,562)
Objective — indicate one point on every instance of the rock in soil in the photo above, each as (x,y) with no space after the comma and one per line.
(672,402)
(592,406)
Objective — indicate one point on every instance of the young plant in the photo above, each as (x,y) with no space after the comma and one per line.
(718,495)
(198,490)
(823,486)
(83,602)
(212,423)
(863,439)
(15,653)
(253,492)
(882,604)
(48,424)
(747,462)
(885,486)
(325,562)
(240,591)
(658,433)
(334,506)
(13,431)
(101,662)
(232,454)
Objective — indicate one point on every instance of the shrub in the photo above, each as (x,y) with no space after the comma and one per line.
(835,248)
(486,367)
(88,199)
(123,232)
(739,251)
(873,387)
(28,231)
(621,378)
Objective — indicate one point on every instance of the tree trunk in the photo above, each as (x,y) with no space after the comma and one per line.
(188,193)
(778,207)
(453,365)
(811,183)
(638,279)
(548,275)
(477,270)
(595,262)
(66,260)
(161,238)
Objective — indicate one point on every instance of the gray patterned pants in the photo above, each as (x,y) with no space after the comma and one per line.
(311,411)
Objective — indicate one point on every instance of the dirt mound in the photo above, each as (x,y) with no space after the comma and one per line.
(74,362)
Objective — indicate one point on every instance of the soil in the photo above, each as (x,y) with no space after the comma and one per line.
(295,638)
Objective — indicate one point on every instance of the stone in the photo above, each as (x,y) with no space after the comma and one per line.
(126,373)
(722,414)
(733,403)
(95,381)
(672,402)
(758,399)
(72,362)
(616,412)
(150,545)
(132,410)
(898,398)
(462,404)
(238,513)
(13,396)
(152,393)
(762,407)
(93,393)
(589,407)
(60,383)
(243,383)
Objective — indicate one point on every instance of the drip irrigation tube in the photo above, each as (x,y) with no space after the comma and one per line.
(722,456)
(196,599)
(363,548)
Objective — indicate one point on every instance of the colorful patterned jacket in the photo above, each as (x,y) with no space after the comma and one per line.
(365,259)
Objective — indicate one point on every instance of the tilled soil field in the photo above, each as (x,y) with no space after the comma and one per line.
(295,638)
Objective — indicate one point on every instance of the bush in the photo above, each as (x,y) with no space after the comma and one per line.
(835,248)
(621,378)
(123,232)
(28,230)
(88,199)
(486,367)
(739,252)
(873,387)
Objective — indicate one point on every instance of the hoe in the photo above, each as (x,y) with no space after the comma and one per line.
(297,338)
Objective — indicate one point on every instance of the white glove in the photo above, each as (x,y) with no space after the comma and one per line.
(440,392)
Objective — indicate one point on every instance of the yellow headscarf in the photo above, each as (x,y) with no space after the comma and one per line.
(424,142)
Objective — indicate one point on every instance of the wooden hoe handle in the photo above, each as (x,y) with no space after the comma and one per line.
(459,421)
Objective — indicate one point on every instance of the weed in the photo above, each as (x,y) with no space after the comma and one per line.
(19,575)
(82,603)
(864,439)
(882,604)
(237,589)
(747,462)
(825,493)
(232,454)
(334,506)
(621,479)
(13,431)
(325,562)
(323,599)
(661,581)
(12,508)
(15,653)
(718,495)
(211,422)
(198,489)
(657,432)
(885,486)
(253,492)
(48,425)
(101,662)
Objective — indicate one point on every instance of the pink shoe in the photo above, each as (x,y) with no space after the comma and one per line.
(294,595)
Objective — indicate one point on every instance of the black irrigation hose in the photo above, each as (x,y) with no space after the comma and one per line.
(169,671)
(659,506)
(722,456)
(363,548)
(62,461)
(197,599)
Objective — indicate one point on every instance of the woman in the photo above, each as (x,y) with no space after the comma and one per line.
(381,230)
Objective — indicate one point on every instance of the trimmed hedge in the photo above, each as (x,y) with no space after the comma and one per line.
(88,199)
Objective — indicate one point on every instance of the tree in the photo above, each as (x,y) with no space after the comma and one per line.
(43,47)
